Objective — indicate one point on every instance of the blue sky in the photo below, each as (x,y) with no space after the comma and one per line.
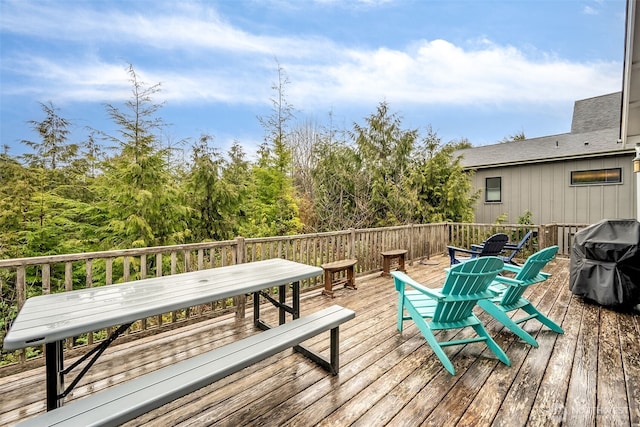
(474,69)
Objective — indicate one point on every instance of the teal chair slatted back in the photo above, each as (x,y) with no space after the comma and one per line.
(529,273)
(464,285)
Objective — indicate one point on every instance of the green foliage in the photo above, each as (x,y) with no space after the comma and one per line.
(139,199)
(273,209)
(66,197)
(53,149)
(502,218)
(443,190)
(384,149)
(518,136)
(526,218)
(213,200)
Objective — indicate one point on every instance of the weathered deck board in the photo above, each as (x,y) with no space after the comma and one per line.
(588,375)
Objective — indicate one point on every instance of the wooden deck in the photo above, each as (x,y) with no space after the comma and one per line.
(588,376)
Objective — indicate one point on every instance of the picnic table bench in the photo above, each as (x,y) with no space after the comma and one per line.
(133,398)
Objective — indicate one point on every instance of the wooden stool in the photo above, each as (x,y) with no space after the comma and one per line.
(336,267)
(387,256)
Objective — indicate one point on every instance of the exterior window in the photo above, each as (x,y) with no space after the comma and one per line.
(493,190)
(597,176)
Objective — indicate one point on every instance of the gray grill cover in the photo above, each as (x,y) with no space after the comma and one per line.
(605,263)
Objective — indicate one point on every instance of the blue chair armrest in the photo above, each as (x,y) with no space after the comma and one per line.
(466,251)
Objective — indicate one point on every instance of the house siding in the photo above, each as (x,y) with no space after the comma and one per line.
(545,189)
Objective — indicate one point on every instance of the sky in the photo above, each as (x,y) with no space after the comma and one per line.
(476,69)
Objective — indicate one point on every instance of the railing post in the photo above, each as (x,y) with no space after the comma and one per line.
(21,296)
(352,243)
(548,236)
(240,301)
(410,238)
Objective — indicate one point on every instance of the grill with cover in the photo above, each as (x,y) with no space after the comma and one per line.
(605,263)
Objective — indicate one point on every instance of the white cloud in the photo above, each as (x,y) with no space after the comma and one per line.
(210,60)
(588,10)
(439,72)
(192,27)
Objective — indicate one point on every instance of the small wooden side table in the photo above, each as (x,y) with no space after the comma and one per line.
(388,256)
(332,268)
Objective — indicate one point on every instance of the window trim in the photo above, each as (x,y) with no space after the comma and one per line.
(604,172)
(499,189)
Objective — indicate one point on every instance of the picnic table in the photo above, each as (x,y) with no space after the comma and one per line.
(50,319)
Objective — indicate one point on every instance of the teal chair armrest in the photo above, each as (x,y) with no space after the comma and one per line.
(508,280)
(402,279)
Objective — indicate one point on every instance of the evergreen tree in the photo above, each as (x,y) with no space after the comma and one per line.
(273,207)
(210,197)
(140,197)
(53,149)
(443,189)
(52,216)
(385,149)
(236,176)
(15,205)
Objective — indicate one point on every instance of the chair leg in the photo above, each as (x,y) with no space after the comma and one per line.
(400,311)
(530,309)
(431,339)
(435,346)
(502,317)
(493,346)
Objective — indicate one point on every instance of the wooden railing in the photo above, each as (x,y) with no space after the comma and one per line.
(27,277)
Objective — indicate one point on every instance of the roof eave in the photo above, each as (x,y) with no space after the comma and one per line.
(552,159)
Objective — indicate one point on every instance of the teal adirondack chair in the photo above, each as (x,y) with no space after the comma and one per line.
(450,307)
(509,294)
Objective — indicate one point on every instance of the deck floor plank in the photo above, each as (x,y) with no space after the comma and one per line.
(588,375)
(611,406)
(548,409)
(630,345)
(581,396)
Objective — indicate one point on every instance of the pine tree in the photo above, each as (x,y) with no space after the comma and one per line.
(140,197)
(443,189)
(385,149)
(273,207)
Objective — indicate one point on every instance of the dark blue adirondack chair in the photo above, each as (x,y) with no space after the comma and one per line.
(450,307)
(514,248)
(509,295)
(493,246)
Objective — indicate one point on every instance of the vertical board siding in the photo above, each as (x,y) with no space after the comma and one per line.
(545,190)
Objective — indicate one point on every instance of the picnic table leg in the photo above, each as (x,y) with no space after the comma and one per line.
(282,298)
(54,358)
(334,356)
(296,300)
(256,309)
